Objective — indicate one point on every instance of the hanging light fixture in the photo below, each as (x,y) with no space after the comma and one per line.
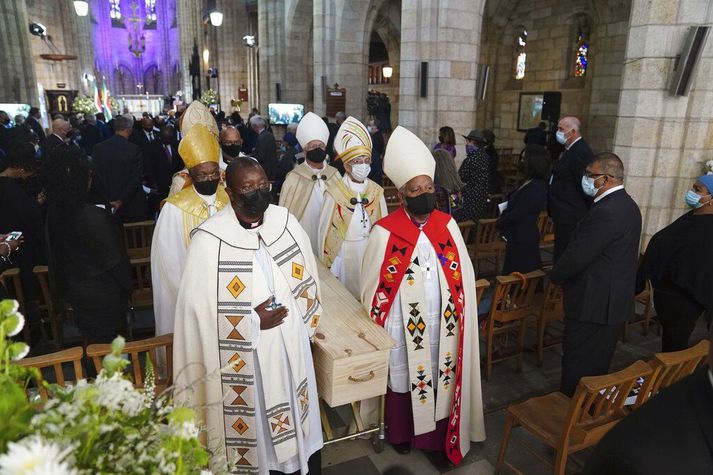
(387,71)
(81,7)
(216,18)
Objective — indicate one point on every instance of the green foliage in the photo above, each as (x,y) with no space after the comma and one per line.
(107,426)
(84,105)
(209,97)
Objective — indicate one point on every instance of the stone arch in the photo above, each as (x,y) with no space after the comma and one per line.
(152,77)
(124,80)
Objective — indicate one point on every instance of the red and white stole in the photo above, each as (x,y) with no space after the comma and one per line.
(399,262)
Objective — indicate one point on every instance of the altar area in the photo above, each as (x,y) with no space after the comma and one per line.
(137,104)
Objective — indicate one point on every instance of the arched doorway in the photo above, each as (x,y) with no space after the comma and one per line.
(384,37)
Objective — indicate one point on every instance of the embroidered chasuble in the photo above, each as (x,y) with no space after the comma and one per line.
(419,284)
(181,214)
(345,222)
(303,194)
(254,389)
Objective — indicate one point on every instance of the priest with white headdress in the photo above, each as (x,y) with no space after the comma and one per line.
(351,206)
(418,283)
(304,187)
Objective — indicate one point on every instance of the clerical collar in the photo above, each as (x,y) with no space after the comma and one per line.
(416,223)
(247,225)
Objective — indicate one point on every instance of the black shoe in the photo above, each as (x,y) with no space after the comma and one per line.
(439,460)
(402,448)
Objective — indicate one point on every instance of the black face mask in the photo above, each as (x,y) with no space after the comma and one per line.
(206,188)
(317,155)
(231,150)
(255,203)
(421,204)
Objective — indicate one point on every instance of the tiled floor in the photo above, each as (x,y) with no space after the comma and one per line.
(527,454)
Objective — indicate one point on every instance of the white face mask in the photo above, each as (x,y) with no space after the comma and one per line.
(560,137)
(360,171)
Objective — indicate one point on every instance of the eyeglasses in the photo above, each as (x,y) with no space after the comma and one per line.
(213,176)
(589,174)
(265,187)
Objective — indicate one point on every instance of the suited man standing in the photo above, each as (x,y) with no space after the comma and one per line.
(597,272)
(59,136)
(144,135)
(264,152)
(119,166)
(33,121)
(161,161)
(567,202)
(671,433)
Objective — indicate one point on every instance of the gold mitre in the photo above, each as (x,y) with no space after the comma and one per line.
(198,146)
(197,113)
(352,140)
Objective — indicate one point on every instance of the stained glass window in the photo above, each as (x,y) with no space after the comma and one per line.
(115,9)
(521,59)
(150,10)
(582,59)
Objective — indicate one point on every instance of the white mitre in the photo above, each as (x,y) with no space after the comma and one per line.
(310,128)
(352,140)
(197,113)
(406,157)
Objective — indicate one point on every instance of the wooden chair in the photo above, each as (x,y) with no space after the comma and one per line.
(570,425)
(55,315)
(138,238)
(55,361)
(547,236)
(391,196)
(468,231)
(551,310)
(150,346)
(643,318)
(142,294)
(10,279)
(511,305)
(670,367)
(488,244)
(480,286)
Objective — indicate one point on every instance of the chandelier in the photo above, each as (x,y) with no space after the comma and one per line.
(137,39)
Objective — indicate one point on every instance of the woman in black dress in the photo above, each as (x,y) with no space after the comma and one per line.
(474,173)
(518,223)
(88,262)
(679,263)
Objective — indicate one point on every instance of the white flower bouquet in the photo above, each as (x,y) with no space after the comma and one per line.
(209,97)
(100,427)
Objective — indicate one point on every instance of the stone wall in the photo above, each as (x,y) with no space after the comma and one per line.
(664,140)
(231,54)
(552,28)
(446,34)
(17,75)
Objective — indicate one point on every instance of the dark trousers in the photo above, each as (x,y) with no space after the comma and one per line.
(587,350)
(678,314)
(563,234)
(314,465)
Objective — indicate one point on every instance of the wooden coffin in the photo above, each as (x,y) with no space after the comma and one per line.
(350,351)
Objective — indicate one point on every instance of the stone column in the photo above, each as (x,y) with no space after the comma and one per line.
(189,14)
(664,140)
(78,40)
(446,35)
(231,56)
(18,83)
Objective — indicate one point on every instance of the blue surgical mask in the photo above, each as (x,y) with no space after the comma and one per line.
(693,199)
(559,135)
(588,186)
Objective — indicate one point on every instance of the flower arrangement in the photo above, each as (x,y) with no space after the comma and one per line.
(209,97)
(105,426)
(84,105)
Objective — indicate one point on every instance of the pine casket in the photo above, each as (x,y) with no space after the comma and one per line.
(350,351)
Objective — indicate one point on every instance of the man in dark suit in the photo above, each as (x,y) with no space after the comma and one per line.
(104,129)
(597,272)
(33,122)
(537,135)
(119,166)
(144,135)
(91,135)
(59,136)
(264,152)
(567,202)
(160,163)
(671,433)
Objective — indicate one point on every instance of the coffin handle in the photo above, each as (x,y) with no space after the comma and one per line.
(362,380)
